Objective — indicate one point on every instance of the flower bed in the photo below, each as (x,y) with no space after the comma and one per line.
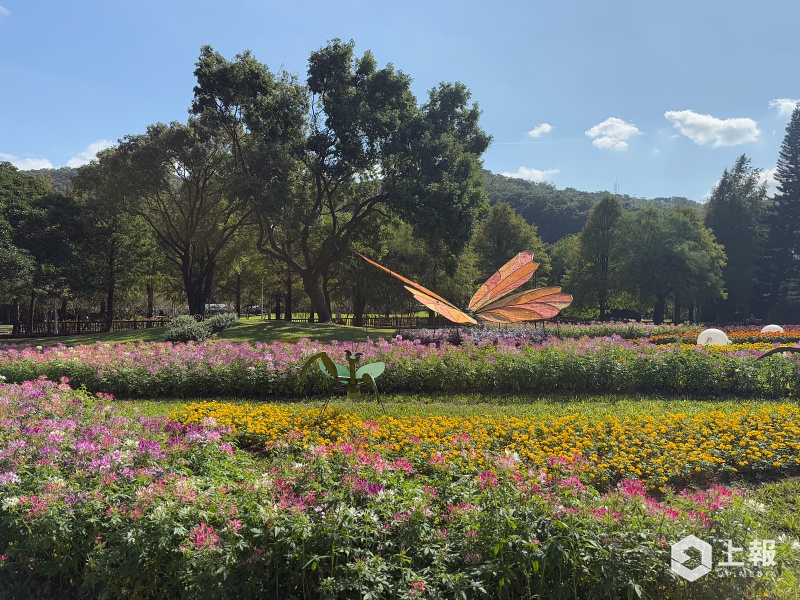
(95,504)
(598,365)
(659,449)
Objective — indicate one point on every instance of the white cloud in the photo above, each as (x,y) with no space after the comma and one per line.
(532,174)
(702,129)
(768,176)
(26,164)
(4,12)
(540,130)
(785,106)
(612,134)
(89,153)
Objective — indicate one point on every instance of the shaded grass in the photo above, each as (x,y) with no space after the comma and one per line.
(247,330)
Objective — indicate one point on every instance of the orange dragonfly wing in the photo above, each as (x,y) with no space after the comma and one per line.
(509,277)
(525,297)
(532,305)
(428,298)
(447,310)
(409,284)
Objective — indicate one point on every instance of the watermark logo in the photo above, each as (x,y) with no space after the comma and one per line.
(760,553)
(679,557)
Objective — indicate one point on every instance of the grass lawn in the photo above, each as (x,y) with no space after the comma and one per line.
(248,330)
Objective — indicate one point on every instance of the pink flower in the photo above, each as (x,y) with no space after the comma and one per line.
(417,588)
(204,536)
(488,480)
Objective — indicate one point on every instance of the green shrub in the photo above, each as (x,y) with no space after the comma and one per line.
(186,329)
(221,322)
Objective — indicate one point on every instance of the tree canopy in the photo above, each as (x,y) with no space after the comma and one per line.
(319,159)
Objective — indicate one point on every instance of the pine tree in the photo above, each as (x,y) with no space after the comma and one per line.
(784,230)
(735,212)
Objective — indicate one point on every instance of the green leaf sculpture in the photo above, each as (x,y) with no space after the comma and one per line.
(352,376)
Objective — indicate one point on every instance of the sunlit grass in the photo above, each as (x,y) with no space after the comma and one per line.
(472,405)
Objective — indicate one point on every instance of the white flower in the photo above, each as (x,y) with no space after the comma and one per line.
(10,502)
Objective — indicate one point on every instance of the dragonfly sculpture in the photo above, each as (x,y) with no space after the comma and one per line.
(491,302)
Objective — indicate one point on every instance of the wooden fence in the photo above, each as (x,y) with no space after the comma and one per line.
(380,322)
(76,327)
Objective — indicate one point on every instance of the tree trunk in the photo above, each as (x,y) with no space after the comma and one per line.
(31,309)
(198,287)
(325,292)
(151,293)
(112,283)
(15,316)
(311,285)
(676,311)
(602,300)
(238,294)
(277,296)
(658,309)
(63,316)
(359,306)
(288,313)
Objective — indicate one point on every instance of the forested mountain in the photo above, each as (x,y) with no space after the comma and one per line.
(558,213)
(59,179)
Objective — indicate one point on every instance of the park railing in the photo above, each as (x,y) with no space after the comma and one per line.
(77,327)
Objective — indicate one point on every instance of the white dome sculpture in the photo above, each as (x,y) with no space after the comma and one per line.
(772,329)
(713,337)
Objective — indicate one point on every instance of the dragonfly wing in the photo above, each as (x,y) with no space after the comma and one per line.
(415,287)
(447,310)
(527,296)
(532,305)
(509,277)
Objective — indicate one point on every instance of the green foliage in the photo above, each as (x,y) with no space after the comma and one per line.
(321,159)
(186,329)
(177,179)
(783,237)
(593,274)
(735,213)
(218,323)
(500,236)
(668,252)
(559,213)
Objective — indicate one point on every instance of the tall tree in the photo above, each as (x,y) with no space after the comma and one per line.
(500,236)
(179,183)
(735,213)
(112,246)
(320,159)
(18,195)
(668,252)
(594,273)
(783,243)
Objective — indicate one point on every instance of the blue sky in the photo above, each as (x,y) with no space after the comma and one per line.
(655,98)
